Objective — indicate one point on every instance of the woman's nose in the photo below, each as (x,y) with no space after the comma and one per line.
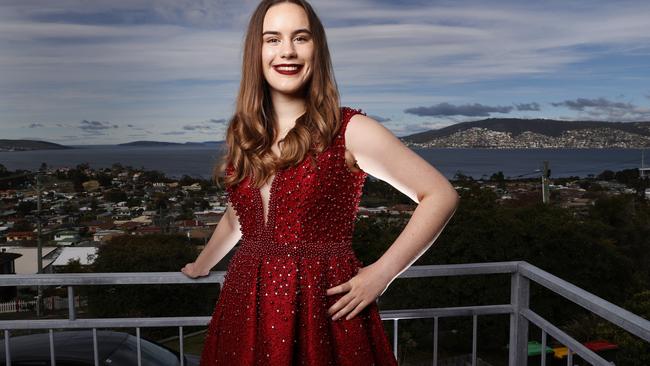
(288,49)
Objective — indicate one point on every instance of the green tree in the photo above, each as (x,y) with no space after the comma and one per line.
(105,180)
(632,351)
(22,225)
(25,207)
(115,195)
(606,175)
(74,266)
(549,237)
(148,253)
(78,177)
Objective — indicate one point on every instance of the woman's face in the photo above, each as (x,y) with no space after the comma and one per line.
(286,40)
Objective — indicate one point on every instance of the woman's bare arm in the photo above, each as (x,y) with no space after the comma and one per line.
(223,239)
(382,155)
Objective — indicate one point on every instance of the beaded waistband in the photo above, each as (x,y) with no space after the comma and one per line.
(296,249)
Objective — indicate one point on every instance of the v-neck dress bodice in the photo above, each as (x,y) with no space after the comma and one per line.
(272,309)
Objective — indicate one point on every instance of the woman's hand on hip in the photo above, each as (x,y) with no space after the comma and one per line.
(362,289)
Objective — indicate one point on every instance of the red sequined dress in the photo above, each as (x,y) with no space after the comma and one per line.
(272,309)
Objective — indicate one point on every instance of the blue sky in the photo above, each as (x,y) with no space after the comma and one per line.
(103,72)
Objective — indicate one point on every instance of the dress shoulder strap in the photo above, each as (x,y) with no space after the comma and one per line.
(346,115)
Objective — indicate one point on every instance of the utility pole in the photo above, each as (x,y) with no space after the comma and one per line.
(546,173)
(642,170)
(39,251)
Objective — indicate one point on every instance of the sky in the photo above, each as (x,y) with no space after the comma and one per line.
(80,72)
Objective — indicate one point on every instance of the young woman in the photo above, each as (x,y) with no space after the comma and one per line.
(295,293)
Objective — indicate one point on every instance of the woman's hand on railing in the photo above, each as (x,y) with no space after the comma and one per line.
(191,270)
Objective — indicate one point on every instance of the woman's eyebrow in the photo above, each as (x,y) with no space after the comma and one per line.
(303,30)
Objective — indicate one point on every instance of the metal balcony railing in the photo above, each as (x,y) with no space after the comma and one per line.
(521,273)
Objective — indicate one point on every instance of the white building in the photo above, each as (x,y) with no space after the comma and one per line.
(85,256)
(27,264)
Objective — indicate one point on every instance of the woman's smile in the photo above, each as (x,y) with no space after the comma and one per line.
(288,69)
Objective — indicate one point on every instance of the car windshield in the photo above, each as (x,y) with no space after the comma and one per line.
(152,354)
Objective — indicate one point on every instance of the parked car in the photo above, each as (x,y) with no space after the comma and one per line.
(75,348)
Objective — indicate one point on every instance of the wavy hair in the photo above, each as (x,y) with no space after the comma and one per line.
(251,130)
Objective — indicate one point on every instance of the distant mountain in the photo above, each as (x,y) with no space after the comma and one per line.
(204,143)
(149,143)
(165,143)
(535,133)
(27,145)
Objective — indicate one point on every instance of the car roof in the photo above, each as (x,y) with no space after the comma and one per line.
(68,345)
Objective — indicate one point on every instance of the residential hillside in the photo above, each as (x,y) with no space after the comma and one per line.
(535,133)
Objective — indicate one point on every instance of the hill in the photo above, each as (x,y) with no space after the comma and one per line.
(535,133)
(27,145)
(149,143)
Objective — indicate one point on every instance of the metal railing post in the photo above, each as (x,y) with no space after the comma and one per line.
(72,313)
(519,299)
(395,338)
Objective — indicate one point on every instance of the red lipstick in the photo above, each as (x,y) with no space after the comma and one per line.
(287,69)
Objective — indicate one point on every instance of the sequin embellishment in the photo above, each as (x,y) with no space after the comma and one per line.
(272,309)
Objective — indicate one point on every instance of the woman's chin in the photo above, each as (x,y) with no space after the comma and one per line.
(293,92)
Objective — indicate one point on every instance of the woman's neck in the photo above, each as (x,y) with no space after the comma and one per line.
(287,109)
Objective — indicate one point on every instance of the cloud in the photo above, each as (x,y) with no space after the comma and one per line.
(35,125)
(411,128)
(133,127)
(205,125)
(603,108)
(82,137)
(469,110)
(182,58)
(581,103)
(379,118)
(534,106)
(187,13)
(96,127)
(196,127)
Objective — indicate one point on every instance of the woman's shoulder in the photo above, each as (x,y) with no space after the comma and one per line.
(347,112)
(346,116)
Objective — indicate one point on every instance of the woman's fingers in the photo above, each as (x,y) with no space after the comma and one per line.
(189,270)
(338,289)
(360,306)
(348,307)
(340,303)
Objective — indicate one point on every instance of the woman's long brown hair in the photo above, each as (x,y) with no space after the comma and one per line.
(251,130)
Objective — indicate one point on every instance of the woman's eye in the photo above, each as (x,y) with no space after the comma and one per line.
(275,40)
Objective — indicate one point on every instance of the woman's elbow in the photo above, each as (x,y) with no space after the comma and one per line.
(449,196)
(453,198)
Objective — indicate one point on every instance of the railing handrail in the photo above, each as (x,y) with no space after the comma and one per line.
(144,278)
(521,272)
(605,309)
(613,313)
